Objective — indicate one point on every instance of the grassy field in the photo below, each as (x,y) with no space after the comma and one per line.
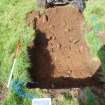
(95,20)
(14,31)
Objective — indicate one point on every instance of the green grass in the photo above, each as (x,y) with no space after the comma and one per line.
(88,98)
(13,28)
(95,19)
(95,8)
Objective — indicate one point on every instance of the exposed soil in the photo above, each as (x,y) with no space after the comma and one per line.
(59,52)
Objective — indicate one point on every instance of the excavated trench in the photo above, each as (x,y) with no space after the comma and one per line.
(59,55)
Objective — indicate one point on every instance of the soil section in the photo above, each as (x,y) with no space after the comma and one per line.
(59,52)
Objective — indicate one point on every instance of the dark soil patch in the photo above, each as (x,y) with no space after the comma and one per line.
(59,55)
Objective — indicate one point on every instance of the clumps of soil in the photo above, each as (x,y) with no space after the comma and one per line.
(59,50)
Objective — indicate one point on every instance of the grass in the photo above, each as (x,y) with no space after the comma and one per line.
(88,99)
(13,29)
(94,17)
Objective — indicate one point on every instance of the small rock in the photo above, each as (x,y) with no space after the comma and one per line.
(69,71)
(51,26)
(59,45)
(52,50)
(51,44)
(55,58)
(54,38)
(67,75)
(37,14)
(64,23)
(69,47)
(31,45)
(71,40)
(45,90)
(75,41)
(75,92)
(66,30)
(68,56)
(81,49)
(50,38)
(45,18)
(60,98)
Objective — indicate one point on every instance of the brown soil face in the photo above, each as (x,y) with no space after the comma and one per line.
(59,50)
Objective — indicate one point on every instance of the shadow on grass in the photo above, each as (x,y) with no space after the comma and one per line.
(101,55)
